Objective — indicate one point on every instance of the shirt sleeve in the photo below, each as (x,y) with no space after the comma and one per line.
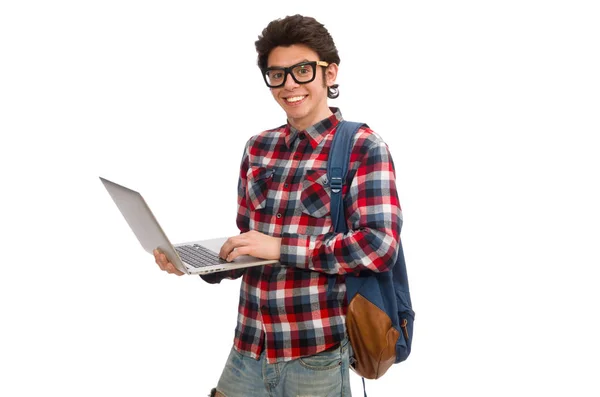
(374,219)
(216,278)
(242,220)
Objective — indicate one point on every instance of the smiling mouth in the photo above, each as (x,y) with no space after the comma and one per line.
(295,99)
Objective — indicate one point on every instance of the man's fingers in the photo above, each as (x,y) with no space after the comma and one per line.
(171,269)
(226,248)
(163,262)
(231,244)
(158,260)
(237,252)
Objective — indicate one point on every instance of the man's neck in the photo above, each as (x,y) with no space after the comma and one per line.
(303,123)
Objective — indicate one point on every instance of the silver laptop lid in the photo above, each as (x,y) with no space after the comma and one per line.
(142,221)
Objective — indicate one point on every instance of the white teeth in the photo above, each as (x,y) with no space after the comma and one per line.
(295,99)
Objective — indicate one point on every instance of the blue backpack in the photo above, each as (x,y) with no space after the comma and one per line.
(380,316)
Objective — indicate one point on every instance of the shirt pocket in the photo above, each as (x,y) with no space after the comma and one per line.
(258,183)
(315,198)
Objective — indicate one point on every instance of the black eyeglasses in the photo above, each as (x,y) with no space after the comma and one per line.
(302,73)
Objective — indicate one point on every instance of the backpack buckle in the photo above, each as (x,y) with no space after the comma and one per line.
(336,184)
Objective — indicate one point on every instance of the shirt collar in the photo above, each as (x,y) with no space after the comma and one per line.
(316,132)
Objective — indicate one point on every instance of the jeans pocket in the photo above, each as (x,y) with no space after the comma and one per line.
(323,361)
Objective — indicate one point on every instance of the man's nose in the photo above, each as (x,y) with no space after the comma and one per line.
(290,83)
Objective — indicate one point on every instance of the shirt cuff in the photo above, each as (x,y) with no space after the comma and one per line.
(296,250)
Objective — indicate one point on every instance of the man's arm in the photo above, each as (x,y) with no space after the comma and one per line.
(374,221)
(216,278)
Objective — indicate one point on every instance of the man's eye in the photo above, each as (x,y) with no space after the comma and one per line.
(303,70)
(276,75)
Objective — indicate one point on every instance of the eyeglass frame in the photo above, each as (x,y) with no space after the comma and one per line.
(288,70)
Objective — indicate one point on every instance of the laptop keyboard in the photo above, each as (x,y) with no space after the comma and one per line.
(198,256)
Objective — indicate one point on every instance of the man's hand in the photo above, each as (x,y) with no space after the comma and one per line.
(164,264)
(252,243)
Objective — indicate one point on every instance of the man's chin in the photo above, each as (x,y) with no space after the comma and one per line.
(294,114)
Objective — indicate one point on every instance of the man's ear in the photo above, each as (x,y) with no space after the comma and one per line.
(331,74)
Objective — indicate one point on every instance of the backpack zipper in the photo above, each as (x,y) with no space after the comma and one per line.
(404,329)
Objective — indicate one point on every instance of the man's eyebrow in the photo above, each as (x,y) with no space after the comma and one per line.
(278,66)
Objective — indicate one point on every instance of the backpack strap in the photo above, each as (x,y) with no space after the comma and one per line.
(337,168)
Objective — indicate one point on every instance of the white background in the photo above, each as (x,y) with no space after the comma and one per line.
(490,109)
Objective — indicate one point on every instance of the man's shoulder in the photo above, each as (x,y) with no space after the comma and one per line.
(366,138)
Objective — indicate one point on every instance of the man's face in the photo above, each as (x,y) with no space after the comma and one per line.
(304,104)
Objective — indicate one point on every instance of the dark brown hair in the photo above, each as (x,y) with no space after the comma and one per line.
(298,29)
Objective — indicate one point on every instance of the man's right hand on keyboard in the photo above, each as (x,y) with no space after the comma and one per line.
(164,264)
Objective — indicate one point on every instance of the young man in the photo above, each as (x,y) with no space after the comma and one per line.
(291,338)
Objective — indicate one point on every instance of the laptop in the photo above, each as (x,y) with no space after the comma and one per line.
(197,257)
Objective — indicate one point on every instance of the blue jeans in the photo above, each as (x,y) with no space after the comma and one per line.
(323,375)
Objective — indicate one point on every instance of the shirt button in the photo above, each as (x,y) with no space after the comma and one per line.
(279,215)
(286,185)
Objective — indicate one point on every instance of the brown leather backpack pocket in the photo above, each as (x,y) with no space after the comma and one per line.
(374,345)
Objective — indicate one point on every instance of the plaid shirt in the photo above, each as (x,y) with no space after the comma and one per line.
(283,191)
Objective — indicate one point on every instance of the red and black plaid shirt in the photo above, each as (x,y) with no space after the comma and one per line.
(283,191)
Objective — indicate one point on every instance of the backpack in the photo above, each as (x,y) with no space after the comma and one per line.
(380,318)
